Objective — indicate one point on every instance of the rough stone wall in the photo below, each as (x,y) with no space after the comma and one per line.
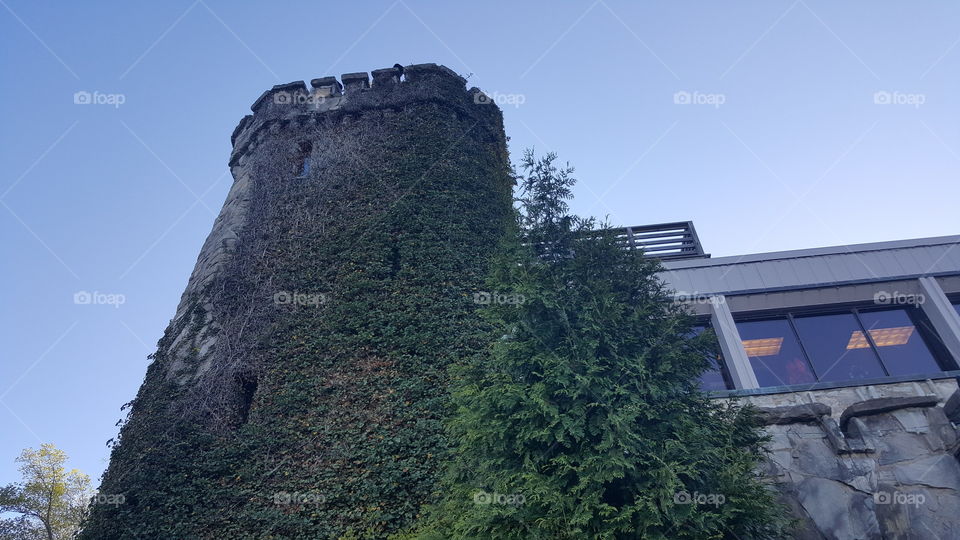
(213,257)
(867,462)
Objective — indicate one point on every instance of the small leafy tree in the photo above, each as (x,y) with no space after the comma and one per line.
(50,500)
(585,419)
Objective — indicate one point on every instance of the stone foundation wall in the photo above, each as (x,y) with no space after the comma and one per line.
(867,462)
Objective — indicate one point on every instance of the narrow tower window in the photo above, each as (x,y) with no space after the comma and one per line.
(304,159)
(246,388)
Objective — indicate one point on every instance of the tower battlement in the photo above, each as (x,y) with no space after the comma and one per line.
(334,100)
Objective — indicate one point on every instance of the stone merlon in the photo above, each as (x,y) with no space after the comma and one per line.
(296,87)
(355,81)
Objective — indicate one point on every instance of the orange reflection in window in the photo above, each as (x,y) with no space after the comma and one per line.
(763,347)
(883,337)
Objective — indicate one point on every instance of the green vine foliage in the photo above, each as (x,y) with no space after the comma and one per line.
(344,434)
(583,417)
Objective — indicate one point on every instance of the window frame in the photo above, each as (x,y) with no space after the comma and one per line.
(954,300)
(924,329)
(788,317)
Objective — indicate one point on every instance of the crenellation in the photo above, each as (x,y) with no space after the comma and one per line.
(326,87)
(280,94)
(385,77)
(353,94)
(354,82)
(415,73)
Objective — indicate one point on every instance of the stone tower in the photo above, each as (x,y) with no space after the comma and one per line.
(300,389)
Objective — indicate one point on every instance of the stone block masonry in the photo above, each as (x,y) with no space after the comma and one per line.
(867,462)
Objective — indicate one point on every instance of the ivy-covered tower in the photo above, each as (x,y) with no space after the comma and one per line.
(300,390)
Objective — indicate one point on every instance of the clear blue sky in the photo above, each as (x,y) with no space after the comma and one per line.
(787,148)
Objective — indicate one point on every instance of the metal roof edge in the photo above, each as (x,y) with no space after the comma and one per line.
(811,252)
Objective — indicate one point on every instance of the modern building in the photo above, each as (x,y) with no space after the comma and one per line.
(852,354)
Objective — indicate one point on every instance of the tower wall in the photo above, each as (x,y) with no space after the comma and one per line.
(300,389)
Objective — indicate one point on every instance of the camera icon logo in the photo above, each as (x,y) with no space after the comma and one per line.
(481,99)
(483,298)
(82,298)
(882,98)
(681,98)
(82,98)
(882,497)
(282,98)
(682,497)
(282,298)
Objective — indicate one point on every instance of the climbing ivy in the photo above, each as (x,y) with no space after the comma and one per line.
(388,237)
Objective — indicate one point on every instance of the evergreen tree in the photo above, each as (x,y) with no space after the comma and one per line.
(584,419)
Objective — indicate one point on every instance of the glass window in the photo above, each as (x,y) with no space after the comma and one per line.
(774,352)
(899,340)
(956,306)
(716,377)
(834,349)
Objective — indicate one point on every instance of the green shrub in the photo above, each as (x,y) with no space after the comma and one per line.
(584,418)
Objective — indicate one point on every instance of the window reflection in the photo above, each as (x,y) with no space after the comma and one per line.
(837,347)
(716,377)
(774,352)
(843,346)
(899,341)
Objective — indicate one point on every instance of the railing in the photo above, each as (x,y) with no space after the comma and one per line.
(663,241)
